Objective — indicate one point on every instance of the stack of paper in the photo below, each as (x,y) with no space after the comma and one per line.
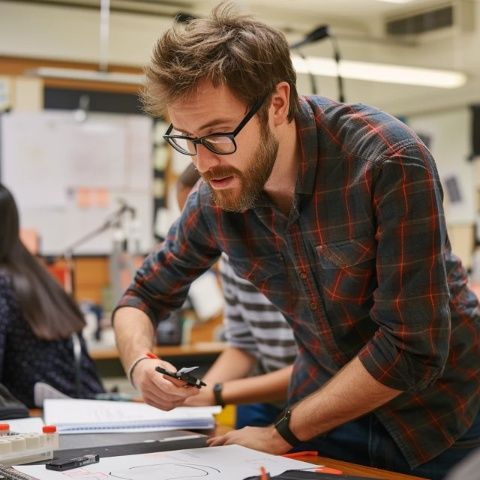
(90,416)
(231,462)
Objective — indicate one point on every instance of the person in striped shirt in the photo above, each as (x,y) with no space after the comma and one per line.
(334,212)
(254,370)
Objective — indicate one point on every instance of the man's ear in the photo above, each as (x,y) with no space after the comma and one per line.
(280,104)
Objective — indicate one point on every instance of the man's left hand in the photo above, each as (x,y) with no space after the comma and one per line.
(265,439)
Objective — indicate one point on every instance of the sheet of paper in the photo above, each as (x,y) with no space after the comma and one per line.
(231,462)
(74,416)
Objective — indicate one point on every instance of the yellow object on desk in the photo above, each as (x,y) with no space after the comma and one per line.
(227,417)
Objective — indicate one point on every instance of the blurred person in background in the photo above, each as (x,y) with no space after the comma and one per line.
(40,325)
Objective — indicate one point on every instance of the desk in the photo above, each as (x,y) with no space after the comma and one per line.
(201,353)
(346,467)
(359,470)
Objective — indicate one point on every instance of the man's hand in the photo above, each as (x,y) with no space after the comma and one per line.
(158,390)
(265,439)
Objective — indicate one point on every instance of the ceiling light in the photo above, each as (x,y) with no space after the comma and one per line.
(326,67)
(87,75)
(379,72)
(395,1)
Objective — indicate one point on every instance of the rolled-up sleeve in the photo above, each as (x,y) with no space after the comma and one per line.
(411,301)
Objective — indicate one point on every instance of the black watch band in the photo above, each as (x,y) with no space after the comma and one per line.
(217,393)
(282,425)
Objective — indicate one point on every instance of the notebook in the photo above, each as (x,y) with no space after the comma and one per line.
(101,416)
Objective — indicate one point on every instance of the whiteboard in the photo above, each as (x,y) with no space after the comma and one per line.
(68,177)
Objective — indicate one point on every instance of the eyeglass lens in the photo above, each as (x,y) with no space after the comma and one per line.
(216,143)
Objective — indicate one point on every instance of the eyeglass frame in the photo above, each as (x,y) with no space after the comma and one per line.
(170,139)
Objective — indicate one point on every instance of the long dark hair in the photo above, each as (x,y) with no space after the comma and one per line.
(49,311)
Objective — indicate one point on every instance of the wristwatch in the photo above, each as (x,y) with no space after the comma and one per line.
(217,393)
(283,428)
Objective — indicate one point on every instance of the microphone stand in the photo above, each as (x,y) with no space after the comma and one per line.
(337,57)
(67,255)
(311,76)
(320,33)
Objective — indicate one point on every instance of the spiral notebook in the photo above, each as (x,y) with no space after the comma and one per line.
(101,416)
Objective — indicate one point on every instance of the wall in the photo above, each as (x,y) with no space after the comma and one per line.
(449,132)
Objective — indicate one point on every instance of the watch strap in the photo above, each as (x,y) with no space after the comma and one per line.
(283,428)
(217,393)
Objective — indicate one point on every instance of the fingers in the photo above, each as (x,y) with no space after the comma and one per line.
(158,391)
(217,441)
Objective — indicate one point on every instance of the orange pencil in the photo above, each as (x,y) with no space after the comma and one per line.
(304,453)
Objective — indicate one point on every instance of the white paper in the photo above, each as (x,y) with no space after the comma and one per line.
(90,416)
(231,462)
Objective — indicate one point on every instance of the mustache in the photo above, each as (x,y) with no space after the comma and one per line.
(220,172)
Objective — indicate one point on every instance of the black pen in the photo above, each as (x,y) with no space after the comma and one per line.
(61,465)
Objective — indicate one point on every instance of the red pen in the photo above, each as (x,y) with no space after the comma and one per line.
(304,453)
(152,355)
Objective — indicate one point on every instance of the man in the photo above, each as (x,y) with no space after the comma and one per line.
(254,370)
(334,212)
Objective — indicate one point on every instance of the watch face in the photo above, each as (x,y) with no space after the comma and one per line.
(284,418)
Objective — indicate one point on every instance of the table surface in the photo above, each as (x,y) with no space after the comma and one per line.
(197,349)
(359,470)
(346,467)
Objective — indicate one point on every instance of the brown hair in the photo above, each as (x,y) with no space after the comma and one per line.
(247,56)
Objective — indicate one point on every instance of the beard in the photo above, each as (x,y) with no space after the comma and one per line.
(252,180)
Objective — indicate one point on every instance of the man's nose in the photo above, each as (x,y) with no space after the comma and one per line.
(204,160)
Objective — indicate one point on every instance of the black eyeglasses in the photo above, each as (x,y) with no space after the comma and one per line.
(222,143)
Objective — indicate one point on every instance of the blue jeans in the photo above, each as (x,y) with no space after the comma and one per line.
(256,415)
(365,441)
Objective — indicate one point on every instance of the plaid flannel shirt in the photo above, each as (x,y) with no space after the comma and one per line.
(361,266)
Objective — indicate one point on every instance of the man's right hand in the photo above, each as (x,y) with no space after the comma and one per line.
(156,389)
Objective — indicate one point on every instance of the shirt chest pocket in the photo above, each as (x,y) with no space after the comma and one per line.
(356,255)
(263,272)
(348,270)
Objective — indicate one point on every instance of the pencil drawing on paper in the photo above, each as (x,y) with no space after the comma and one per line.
(165,471)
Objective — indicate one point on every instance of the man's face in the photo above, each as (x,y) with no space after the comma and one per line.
(235,180)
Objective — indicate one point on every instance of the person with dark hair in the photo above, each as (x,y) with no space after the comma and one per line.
(334,212)
(254,370)
(39,323)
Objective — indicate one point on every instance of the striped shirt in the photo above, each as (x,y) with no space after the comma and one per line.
(254,325)
(361,266)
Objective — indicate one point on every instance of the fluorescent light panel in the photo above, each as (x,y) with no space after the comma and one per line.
(395,1)
(378,72)
(327,67)
(88,75)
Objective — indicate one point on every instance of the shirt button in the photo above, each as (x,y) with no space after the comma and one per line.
(303,275)
(313,306)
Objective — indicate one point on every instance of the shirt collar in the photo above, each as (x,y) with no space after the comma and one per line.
(307,136)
